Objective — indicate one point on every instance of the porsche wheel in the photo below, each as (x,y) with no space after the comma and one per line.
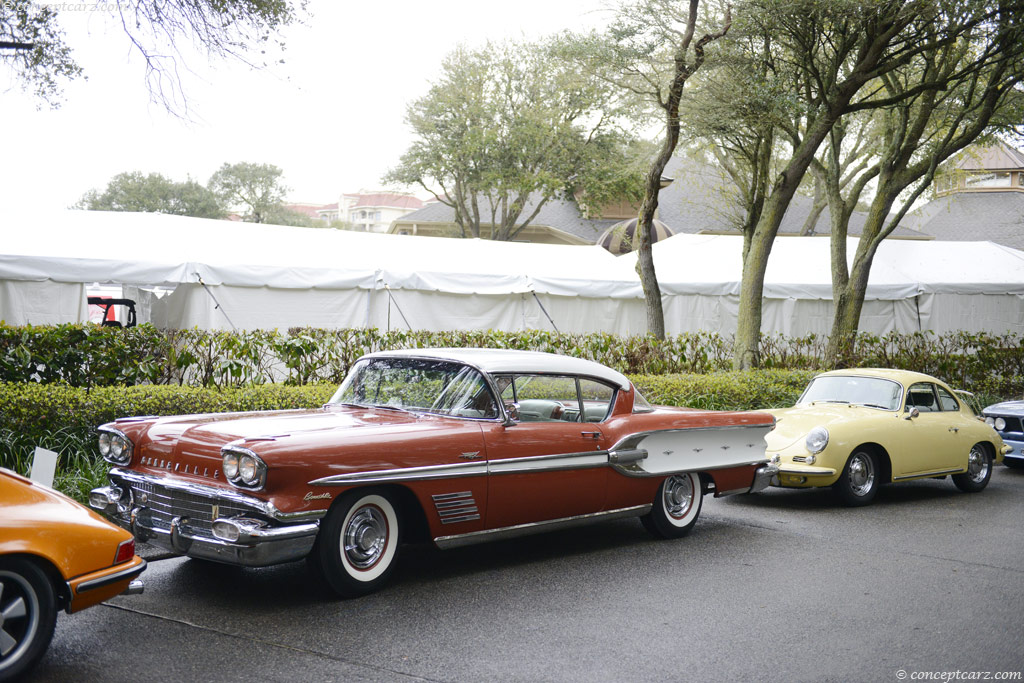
(676,507)
(356,547)
(28,613)
(859,481)
(979,470)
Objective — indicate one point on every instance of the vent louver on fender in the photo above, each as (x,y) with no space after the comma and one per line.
(456,507)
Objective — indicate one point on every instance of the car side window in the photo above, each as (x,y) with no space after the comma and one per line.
(946,400)
(922,397)
(597,400)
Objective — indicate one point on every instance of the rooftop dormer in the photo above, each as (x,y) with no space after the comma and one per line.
(995,168)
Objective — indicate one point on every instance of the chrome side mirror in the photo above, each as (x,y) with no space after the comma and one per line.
(912,412)
(511,413)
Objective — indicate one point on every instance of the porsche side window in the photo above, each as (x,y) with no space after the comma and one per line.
(922,397)
(946,400)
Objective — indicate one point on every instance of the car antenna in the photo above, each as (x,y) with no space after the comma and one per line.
(217,303)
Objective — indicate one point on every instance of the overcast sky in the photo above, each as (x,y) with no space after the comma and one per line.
(331,117)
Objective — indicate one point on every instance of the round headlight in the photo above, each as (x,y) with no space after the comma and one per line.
(817,439)
(990,421)
(116,447)
(105,443)
(999,424)
(230,465)
(247,469)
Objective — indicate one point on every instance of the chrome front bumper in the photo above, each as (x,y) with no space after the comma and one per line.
(205,522)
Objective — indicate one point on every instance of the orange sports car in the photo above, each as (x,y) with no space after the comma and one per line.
(54,554)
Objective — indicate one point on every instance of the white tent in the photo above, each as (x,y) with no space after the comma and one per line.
(222,274)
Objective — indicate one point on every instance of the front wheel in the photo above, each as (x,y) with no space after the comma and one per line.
(28,613)
(356,547)
(676,507)
(859,481)
(979,470)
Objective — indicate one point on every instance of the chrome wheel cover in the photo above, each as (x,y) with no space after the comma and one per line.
(862,474)
(678,496)
(365,537)
(19,616)
(977,465)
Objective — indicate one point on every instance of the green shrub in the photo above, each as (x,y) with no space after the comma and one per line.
(751,390)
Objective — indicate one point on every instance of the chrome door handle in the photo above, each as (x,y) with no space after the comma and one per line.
(954,429)
(592,435)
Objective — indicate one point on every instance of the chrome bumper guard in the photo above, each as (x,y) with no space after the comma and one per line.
(763,477)
(236,540)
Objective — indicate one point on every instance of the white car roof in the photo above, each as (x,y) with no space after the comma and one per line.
(497,361)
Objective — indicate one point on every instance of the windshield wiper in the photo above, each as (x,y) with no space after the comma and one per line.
(830,400)
(873,405)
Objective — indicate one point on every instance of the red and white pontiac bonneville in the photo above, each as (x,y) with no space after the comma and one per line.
(454,445)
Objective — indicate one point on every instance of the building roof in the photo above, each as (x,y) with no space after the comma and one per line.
(390,200)
(996,157)
(700,200)
(973,216)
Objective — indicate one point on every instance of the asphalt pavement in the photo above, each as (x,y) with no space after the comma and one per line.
(779,586)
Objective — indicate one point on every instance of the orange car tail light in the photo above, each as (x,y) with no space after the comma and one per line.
(125,551)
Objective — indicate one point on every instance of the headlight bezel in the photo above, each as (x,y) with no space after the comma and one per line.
(114,446)
(816,440)
(243,468)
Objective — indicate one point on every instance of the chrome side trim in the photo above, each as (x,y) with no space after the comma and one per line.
(459,469)
(128,573)
(634,469)
(923,475)
(555,461)
(459,540)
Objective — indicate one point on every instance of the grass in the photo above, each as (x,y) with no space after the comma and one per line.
(79,467)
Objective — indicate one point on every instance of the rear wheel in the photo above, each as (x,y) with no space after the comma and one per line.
(859,481)
(979,470)
(28,613)
(676,507)
(357,544)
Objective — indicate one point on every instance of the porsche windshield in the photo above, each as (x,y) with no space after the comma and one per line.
(866,391)
(419,385)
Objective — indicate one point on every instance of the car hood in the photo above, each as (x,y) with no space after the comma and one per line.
(793,424)
(190,446)
(1006,408)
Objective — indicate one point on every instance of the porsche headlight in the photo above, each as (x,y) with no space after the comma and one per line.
(115,447)
(999,423)
(817,439)
(243,468)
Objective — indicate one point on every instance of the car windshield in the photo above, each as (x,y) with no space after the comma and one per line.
(417,384)
(866,391)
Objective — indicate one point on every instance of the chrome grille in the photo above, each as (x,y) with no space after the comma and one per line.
(164,504)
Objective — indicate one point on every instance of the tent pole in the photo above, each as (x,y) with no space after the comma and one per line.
(392,297)
(217,305)
(545,311)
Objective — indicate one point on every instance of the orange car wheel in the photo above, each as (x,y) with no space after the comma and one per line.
(28,613)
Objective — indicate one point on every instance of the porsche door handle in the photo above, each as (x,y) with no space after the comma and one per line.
(954,429)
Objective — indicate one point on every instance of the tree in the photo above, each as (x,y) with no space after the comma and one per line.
(835,56)
(916,136)
(255,190)
(154,28)
(504,130)
(646,52)
(153,193)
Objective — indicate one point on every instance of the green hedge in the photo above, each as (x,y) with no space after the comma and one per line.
(88,355)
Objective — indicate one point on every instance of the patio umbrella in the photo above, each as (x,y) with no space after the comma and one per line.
(623,237)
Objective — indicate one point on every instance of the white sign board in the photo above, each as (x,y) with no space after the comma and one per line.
(44,466)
